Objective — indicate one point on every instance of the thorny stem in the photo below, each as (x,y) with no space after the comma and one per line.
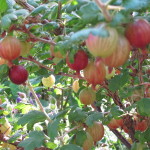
(50,69)
(104,10)
(38,101)
(42,40)
(25,30)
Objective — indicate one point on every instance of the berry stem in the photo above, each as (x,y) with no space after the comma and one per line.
(10,64)
(38,101)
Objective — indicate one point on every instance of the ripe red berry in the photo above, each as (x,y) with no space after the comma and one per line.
(80,61)
(115,123)
(138,33)
(18,74)
(141,126)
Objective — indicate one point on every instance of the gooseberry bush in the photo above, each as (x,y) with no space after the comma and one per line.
(74,75)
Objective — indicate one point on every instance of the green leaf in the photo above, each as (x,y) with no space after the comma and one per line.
(142,136)
(58,67)
(116,111)
(12,16)
(83,34)
(71,147)
(89,12)
(3,6)
(80,137)
(35,140)
(139,146)
(39,9)
(53,13)
(15,136)
(77,115)
(14,88)
(143,107)
(126,92)
(118,19)
(61,114)
(93,117)
(21,12)
(51,26)
(80,36)
(10,3)
(118,81)
(53,129)
(147,134)
(5,22)
(135,4)
(51,145)
(3,70)
(32,117)
(33,3)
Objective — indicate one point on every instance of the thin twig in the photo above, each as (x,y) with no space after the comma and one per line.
(112,7)
(38,101)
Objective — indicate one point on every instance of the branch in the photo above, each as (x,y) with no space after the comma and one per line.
(129,124)
(38,101)
(59,10)
(40,39)
(122,139)
(115,96)
(24,4)
(104,10)
(32,37)
(30,8)
(50,69)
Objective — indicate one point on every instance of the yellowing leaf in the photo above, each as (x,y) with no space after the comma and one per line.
(9,146)
(49,81)
(5,128)
(109,74)
(75,86)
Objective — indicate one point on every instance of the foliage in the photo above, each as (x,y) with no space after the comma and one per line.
(46,112)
